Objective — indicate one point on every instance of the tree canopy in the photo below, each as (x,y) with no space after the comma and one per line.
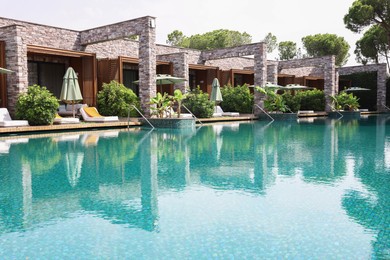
(327,44)
(372,46)
(287,50)
(211,40)
(271,41)
(364,13)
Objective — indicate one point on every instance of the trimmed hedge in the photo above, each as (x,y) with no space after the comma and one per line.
(237,99)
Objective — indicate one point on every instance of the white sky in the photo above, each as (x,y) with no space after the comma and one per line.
(287,19)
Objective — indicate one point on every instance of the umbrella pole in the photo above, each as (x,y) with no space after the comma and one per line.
(73,108)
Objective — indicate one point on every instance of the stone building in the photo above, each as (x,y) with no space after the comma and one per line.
(40,54)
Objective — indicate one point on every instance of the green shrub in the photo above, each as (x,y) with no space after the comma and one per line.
(199,103)
(237,99)
(312,99)
(292,102)
(345,101)
(37,105)
(115,100)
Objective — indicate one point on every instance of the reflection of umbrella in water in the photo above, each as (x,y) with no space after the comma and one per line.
(352,89)
(5,71)
(165,79)
(73,163)
(70,92)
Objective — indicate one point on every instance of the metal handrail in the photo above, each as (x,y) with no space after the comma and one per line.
(335,110)
(197,119)
(265,112)
(139,112)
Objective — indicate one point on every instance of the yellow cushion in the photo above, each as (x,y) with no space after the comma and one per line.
(92,112)
(58,116)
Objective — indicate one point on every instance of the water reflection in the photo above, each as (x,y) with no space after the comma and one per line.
(118,176)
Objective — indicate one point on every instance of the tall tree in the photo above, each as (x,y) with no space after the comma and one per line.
(287,50)
(211,40)
(327,44)
(271,41)
(177,38)
(364,13)
(372,46)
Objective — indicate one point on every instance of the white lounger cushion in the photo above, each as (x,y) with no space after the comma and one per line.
(88,118)
(6,120)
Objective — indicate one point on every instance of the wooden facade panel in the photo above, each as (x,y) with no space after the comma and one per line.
(89,80)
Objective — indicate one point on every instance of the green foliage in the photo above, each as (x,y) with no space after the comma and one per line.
(238,99)
(292,102)
(177,38)
(178,97)
(327,44)
(271,41)
(345,101)
(287,50)
(161,104)
(199,103)
(372,45)
(37,105)
(363,13)
(211,40)
(312,99)
(273,101)
(116,100)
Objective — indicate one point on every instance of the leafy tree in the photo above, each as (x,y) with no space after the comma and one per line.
(177,38)
(211,40)
(364,13)
(271,41)
(372,45)
(287,50)
(37,105)
(327,44)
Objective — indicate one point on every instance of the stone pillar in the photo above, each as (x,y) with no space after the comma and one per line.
(147,66)
(381,88)
(180,69)
(260,72)
(16,60)
(329,81)
(272,72)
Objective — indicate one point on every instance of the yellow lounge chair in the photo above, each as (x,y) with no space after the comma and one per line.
(90,114)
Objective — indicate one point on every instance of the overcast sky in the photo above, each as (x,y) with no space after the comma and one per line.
(286,19)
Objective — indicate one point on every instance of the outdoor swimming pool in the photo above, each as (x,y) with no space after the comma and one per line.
(227,191)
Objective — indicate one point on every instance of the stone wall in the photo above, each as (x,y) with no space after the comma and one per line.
(180,67)
(47,36)
(193,56)
(16,60)
(113,49)
(231,63)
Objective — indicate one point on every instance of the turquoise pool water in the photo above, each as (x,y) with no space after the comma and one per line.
(307,190)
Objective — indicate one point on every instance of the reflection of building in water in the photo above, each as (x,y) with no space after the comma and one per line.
(81,181)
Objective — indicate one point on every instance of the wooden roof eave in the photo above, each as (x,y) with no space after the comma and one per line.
(58,52)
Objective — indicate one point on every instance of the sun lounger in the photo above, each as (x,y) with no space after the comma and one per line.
(6,120)
(219,112)
(90,114)
(67,110)
(65,120)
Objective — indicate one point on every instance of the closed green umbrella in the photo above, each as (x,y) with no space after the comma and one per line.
(216,95)
(70,92)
